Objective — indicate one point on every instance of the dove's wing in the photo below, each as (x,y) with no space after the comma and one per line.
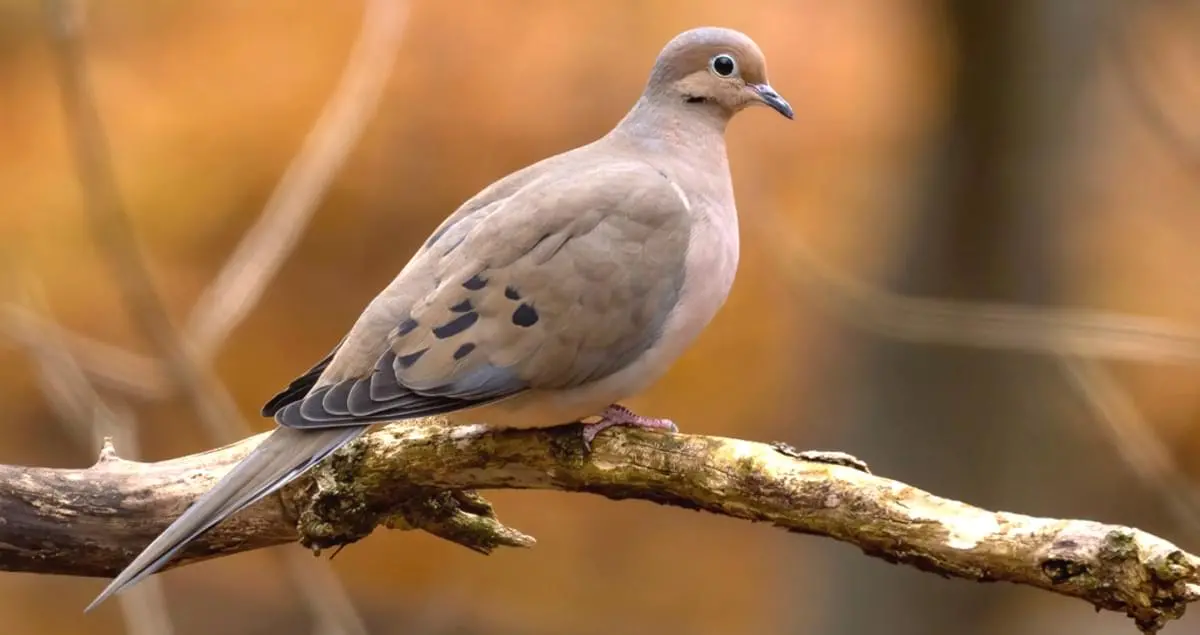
(564,282)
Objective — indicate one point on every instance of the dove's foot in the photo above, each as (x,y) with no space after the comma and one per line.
(618,415)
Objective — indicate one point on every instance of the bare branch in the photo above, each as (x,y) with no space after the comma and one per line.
(1133,437)
(106,364)
(1112,567)
(244,277)
(1131,73)
(116,506)
(1081,333)
(1078,339)
(262,251)
(110,223)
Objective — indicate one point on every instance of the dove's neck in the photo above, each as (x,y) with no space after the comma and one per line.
(663,126)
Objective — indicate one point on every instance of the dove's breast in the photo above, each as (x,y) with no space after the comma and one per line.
(710,264)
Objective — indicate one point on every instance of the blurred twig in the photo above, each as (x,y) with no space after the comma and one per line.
(93,422)
(263,249)
(261,252)
(1134,438)
(258,257)
(1078,339)
(106,364)
(1111,405)
(1083,333)
(110,223)
(1112,567)
(1131,74)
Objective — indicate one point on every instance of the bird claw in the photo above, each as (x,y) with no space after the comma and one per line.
(617,415)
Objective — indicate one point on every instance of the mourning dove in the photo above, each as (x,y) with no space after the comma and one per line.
(546,298)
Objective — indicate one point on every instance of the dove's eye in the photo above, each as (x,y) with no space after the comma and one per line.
(723,65)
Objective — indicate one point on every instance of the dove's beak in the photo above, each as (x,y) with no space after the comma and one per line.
(768,96)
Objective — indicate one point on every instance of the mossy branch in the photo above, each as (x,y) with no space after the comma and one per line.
(422,475)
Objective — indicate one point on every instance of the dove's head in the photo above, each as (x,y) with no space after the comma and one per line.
(711,68)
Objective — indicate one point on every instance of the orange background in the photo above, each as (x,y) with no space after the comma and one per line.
(204,104)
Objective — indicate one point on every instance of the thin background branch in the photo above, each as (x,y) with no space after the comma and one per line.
(264,248)
(91,421)
(257,258)
(1078,338)
(1072,335)
(1004,326)
(1131,73)
(1132,435)
(1111,405)
(114,232)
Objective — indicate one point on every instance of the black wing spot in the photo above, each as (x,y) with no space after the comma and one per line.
(406,361)
(525,316)
(456,326)
(464,350)
(511,293)
(475,283)
(462,307)
(406,326)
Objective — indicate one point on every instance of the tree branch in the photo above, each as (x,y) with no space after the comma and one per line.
(413,475)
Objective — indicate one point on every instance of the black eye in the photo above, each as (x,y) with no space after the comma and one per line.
(723,65)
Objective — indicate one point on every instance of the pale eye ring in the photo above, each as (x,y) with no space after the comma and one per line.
(723,65)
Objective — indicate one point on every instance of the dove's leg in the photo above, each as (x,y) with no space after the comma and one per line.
(618,415)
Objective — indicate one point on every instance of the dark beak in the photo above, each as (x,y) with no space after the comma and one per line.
(773,99)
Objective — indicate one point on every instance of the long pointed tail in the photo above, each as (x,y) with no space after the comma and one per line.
(280,458)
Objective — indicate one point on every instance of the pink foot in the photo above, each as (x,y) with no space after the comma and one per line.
(618,415)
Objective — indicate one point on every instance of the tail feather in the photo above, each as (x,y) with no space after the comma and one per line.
(299,386)
(280,458)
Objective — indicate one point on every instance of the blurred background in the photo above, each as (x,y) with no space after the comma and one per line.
(970,261)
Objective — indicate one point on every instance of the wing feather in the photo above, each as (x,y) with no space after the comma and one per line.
(564,282)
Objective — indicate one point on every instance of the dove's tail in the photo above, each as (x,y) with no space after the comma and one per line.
(280,458)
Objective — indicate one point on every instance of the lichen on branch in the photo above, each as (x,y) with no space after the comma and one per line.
(423,474)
